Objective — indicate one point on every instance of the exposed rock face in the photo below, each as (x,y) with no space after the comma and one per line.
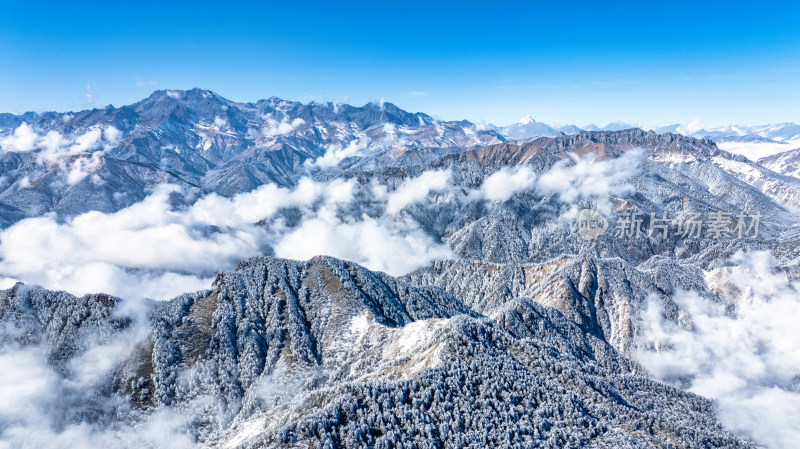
(602,296)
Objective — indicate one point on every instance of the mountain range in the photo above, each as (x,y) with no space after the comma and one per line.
(327,354)
(788,132)
(72,162)
(387,279)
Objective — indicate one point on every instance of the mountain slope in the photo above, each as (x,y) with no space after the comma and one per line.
(327,353)
(785,163)
(198,140)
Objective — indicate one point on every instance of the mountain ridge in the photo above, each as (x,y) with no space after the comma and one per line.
(536,357)
(495,277)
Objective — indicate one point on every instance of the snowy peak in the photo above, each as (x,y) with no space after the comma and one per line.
(199,140)
(528,127)
(527,120)
(618,126)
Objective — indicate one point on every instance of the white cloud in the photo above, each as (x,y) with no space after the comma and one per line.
(263,202)
(96,251)
(570,179)
(396,249)
(77,155)
(483,125)
(336,153)
(220,123)
(23,139)
(86,141)
(415,190)
(691,128)
(588,177)
(42,408)
(152,250)
(54,147)
(275,128)
(82,167)
(111,135)
(749,363)
(90,99)
(503,184)
(757,150)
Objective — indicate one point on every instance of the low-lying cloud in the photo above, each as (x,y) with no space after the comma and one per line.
(155,249)
(152,249)
(77,155)
(415,190)
(569,180)
(749,363)
(273,127)
(588,177)
(53,147)
(45,408)
(505,183)
(397,249)
(337,152)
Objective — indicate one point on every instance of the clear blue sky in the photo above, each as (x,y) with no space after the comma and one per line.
(571,62)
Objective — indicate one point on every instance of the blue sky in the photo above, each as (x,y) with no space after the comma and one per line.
(571,62)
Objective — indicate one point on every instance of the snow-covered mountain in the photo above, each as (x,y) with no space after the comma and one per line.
(786,163)
(325,353)
(527,128)
(106,159)
(779,132)
(501,325)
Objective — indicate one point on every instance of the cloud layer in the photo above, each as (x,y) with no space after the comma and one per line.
(46,408)
(155,249)
(53,147)
(151,249)
(590,177)
(76,154)
(749,363)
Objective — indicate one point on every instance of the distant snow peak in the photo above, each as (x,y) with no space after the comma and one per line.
(526,120)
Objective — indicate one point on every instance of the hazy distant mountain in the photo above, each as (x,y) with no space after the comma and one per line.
(780,132)
(528,128)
